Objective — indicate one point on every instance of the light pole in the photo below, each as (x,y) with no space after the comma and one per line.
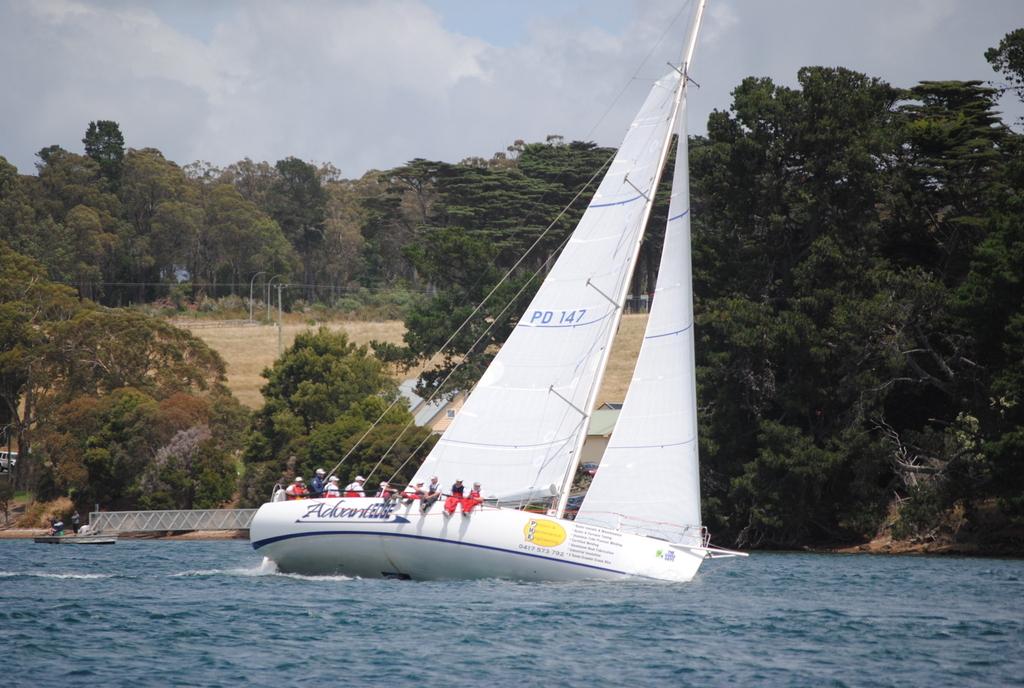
(261,272)
(279,322)
(269,282)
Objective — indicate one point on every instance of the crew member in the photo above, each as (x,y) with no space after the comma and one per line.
(333,489)
(355,488)
(472,500)
(316,485)
(455,498)
(433,494)
(412,492)
(297,489)
(385,491)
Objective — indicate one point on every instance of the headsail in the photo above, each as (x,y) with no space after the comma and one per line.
(648,481)
(519,430)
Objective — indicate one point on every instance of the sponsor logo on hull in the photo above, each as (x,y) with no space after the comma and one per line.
(543,533)
(338,512)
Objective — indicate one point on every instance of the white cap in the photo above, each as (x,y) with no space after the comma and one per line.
(360,478)
(320,471)
(383,483)
(333,479)
(298,479)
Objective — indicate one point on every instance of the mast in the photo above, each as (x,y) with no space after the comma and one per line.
(687,57)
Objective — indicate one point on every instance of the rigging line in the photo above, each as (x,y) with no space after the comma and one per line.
(475,311)
(496,320)
(639,67)
(479,339)
(409,458)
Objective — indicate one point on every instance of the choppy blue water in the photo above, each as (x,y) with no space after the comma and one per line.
(144,613)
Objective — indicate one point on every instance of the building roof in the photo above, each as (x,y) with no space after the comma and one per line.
(423,412)
(428,412)
(408,390)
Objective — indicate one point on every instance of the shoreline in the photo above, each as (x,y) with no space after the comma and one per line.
(29,533)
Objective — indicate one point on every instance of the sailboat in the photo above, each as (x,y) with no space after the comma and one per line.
(521,430)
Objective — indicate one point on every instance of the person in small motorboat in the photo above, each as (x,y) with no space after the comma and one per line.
(76,522)
(472,500)
(316,485)
(433,494)
(355,488)
(333,489)
(455,498)
(56,526)
(297,489)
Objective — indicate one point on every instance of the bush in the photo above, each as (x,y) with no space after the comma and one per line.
(40,514)
(919,513)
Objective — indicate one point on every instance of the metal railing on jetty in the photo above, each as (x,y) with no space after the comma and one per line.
(162,521)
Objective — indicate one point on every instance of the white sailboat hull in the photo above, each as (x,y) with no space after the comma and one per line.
(368,538)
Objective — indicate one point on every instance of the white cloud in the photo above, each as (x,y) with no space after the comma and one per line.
(371,84)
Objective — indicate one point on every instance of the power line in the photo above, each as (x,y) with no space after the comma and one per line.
(238,285)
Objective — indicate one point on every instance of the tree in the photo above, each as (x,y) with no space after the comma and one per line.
(58,350)
(161,205)
(30,307)
(1008,59)
(104,143)
(792,314)
(298,202)
(189,472)
(128,449)
(321,396)
(238,239)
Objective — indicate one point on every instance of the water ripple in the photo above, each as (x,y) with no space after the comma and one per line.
(214,613)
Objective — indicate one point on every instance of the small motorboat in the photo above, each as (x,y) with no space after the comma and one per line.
(96,539)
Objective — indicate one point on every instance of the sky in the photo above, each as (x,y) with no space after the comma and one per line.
(370,84)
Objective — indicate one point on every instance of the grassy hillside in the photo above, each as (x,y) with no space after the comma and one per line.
(249,349)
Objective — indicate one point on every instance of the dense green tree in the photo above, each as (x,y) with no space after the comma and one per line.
(253,180)
(791,314)
(60,354)
(128,449)
(30,307)
(157,198)
(297,201)
(321,396)
(341,260)
(104,143)
(239,240)
(846,330)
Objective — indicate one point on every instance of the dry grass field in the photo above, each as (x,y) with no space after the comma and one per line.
(248,349)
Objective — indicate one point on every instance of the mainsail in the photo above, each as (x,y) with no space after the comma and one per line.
(520,429)
(648,480)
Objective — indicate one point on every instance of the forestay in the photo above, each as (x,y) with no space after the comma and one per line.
(519,429)
(648,480)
